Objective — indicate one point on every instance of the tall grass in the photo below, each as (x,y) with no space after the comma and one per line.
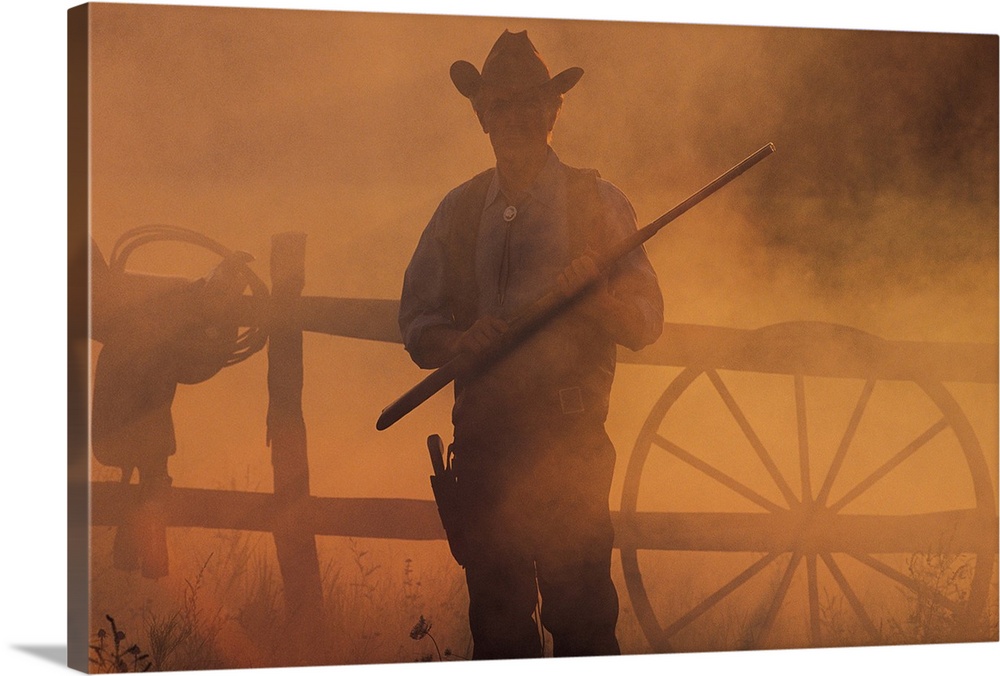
(388,601)
(227,611)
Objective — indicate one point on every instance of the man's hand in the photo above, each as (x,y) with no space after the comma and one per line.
(483,335)
(441,344)
(579,274)
(606,311)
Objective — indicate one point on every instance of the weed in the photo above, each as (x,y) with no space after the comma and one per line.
(259,612)
(411,585)
(365,570)
(937,575)
(166,636)
(836,625)
(117,659)
(185,639)
(421,630)
(362,615)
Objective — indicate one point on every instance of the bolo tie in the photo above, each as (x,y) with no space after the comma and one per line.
(509,214)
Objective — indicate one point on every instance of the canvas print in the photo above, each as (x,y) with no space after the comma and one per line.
(402,338)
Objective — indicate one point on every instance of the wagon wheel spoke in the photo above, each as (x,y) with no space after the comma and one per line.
(845,442)
(752,437)
(779,598)
(715,473)
(814,626)
(890,464)
(720,594)
(851,597)
(800,416)
(921,590)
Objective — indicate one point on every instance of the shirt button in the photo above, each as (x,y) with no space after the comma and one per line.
(510,213)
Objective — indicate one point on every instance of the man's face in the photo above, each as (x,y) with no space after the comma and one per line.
(518,122)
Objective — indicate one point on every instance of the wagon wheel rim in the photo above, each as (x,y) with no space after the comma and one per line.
(810,508)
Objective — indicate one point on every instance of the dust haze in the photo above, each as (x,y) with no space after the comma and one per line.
(878,211)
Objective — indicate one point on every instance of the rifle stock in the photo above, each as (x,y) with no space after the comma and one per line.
(552,303)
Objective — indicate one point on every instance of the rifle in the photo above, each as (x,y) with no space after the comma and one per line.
(551,303)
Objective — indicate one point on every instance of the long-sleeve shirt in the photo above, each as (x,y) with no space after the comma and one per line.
(517,260)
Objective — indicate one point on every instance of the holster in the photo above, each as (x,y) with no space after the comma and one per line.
(449,499)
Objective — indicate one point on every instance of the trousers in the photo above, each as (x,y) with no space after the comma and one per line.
(539,529)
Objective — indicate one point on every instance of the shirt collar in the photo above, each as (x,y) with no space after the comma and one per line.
(544,189)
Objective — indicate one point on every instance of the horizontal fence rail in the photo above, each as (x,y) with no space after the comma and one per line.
(806,348)
(818,349)
(405,519)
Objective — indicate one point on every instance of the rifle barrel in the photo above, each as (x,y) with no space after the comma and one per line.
(553,302)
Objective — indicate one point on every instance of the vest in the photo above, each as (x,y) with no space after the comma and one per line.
(583,218)
(590,379)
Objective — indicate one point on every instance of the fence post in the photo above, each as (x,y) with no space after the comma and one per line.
(286,435)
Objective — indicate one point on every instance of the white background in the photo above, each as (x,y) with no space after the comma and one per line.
(32,387)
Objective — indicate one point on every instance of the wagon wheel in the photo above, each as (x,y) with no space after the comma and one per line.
(829,517)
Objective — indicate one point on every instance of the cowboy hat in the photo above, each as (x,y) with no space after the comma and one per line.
(513,65)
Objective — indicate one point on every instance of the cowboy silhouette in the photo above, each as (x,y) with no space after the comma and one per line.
(532,462)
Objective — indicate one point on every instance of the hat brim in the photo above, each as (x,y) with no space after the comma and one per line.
(469,82)
(466,78)
(566,80)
